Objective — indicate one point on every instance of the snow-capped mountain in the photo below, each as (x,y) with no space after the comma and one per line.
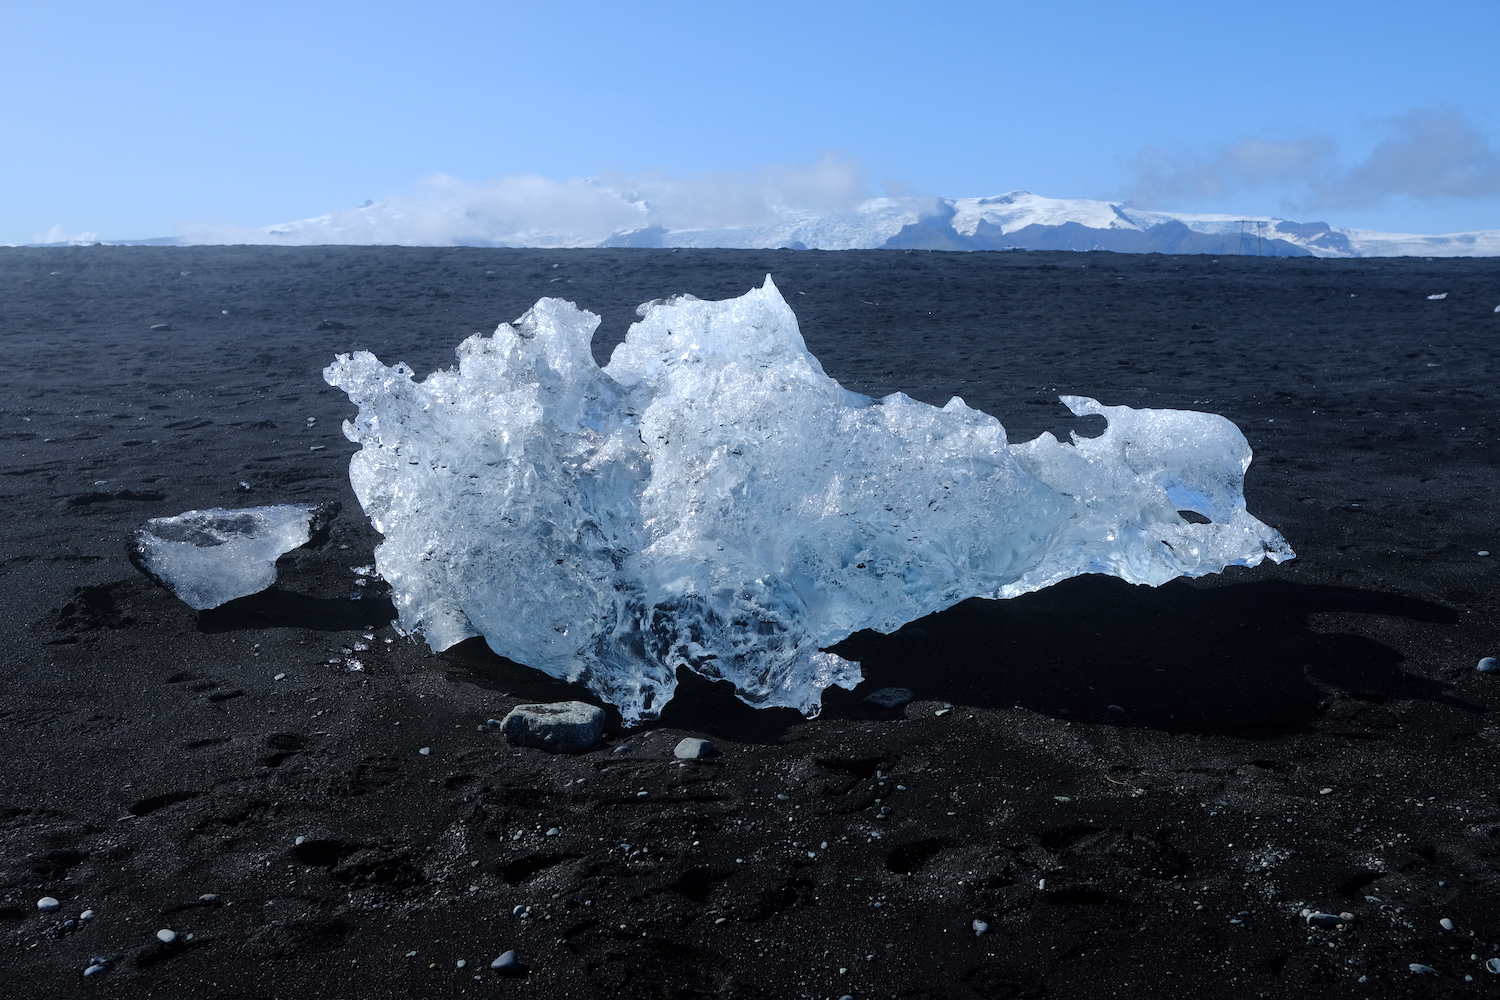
(1021,220)
(534,212)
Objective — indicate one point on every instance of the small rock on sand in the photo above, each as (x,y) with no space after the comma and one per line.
(1489,665)
(507,963)
(48,904)
(692,748)
(891,697)
(559,727)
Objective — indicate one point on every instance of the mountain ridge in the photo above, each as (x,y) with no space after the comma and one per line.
(1016,220)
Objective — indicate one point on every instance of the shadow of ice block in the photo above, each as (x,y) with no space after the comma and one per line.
(210,557)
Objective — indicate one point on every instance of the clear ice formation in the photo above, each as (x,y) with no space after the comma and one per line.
(209,557)
(712,499)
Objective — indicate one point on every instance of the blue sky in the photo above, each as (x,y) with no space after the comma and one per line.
(131,120)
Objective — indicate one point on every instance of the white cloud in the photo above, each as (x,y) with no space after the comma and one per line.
(57,234)
(1428,154)
(528,210)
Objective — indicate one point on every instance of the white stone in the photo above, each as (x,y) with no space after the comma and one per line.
(48,904)
(558,727)
(693,748)
(166,936)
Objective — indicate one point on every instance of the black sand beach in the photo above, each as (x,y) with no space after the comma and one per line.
(1234,750)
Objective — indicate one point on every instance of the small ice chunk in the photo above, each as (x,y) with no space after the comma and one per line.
(1438,297)
(210,557)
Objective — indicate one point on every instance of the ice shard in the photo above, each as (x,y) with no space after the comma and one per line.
(209,557)
(711,499)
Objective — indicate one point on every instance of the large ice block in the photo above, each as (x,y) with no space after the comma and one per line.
(711,499)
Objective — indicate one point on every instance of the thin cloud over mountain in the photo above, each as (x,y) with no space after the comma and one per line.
(529,210)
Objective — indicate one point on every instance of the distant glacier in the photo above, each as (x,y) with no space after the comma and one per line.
(1021,220)
(592,214)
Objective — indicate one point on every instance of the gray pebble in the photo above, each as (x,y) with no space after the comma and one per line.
(48,904)
(892,697)
(980,927)
(209,897)
(1319,919)
(1489,665)
(1493,965)
(166,936)
(1420,969)
(86,916)
(507,962)
(1445,924)
(93,970)
(559,727)
(692,748)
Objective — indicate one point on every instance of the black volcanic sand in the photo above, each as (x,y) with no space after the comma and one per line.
(1137,790)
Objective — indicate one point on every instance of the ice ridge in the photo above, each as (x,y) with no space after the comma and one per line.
(711,499)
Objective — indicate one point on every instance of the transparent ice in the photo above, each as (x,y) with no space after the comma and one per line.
(209,557)
(712,499)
